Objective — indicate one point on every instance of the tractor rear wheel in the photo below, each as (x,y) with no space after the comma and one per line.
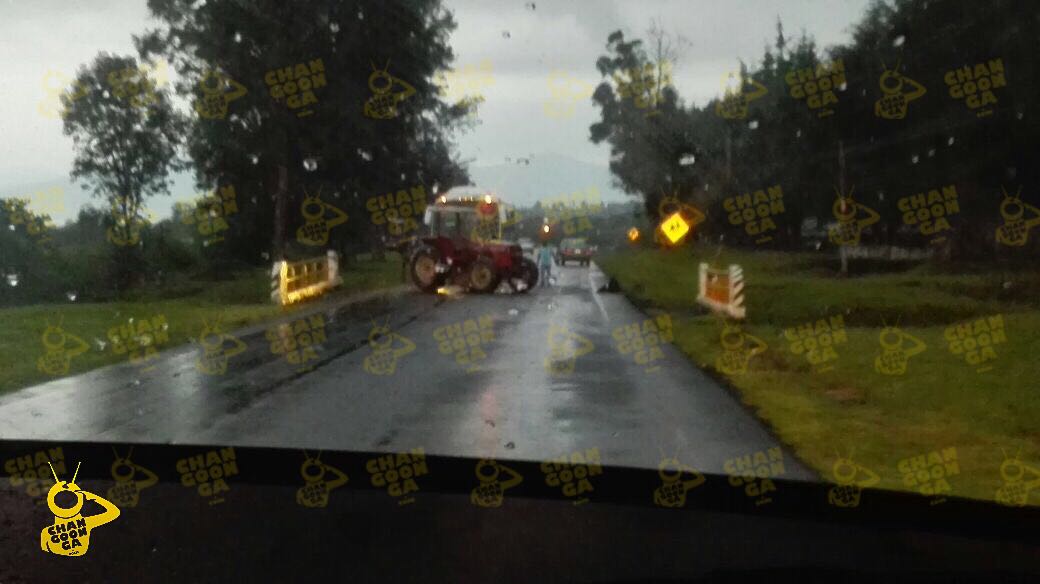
(424,270)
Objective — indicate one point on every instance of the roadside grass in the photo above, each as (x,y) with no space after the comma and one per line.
(241,300)
(941,400)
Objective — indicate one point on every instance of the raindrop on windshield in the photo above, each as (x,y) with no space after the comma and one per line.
(753,124)
(687,160)
(898,41)
(915,158)
(931,152)
(505,34)
(798,134)
(238,37)
(334,26)
(11,226)
(364,154)
(843,86)
(254,159)
(950,141)
(71,295)
(12,279)
(1020,115)
(310,164)
(360,15)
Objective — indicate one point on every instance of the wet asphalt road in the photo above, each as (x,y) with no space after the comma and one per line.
(510,406)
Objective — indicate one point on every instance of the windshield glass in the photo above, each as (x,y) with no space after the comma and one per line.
(782,239)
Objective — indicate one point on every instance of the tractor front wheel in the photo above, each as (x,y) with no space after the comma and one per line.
(483,278)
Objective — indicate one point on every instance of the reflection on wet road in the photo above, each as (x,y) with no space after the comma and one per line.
(508,376)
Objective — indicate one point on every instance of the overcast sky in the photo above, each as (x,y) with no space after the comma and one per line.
(522,43)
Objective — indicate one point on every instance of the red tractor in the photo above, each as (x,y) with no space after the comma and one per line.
(464,247)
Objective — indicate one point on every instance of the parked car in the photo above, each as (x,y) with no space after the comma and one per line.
(575,249)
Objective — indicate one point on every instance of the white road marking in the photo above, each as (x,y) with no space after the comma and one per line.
(595,294)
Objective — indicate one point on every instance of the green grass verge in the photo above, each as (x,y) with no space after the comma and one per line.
(238,301)
(941,401)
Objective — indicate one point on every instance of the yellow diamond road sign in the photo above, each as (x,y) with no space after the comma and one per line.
(675,227)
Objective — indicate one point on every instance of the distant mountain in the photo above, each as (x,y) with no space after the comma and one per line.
(525,181)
